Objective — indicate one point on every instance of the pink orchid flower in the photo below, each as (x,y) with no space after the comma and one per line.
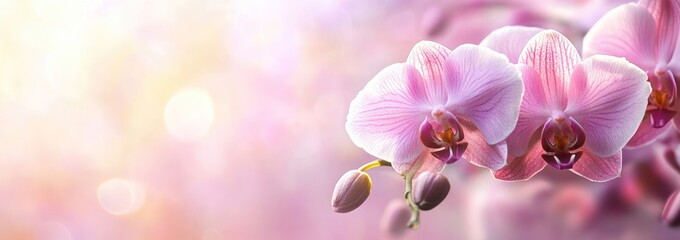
(575,114)
(438,107)
(646,34)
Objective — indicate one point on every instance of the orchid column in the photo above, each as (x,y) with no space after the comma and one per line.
(437,108)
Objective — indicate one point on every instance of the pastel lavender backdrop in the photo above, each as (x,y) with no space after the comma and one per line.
(225,120)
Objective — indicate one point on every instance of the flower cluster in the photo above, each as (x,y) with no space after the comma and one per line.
(522,99)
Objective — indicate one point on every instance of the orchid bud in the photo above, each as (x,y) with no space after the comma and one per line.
(671,212)
(395,218)
(430,189)
(351,191)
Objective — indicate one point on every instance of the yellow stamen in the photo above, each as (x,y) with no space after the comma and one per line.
(447,135)
(659,98)
(561,142)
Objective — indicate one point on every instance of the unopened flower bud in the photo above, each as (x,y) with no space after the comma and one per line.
(430,189)
(395,218)
(671,212)
(351,191)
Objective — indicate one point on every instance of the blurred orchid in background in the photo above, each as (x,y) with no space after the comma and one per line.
(645,33)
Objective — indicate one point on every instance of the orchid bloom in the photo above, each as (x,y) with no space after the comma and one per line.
(575,114)
(438,107)
(646,34)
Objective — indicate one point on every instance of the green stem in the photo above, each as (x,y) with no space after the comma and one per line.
(374,164)
(414,222)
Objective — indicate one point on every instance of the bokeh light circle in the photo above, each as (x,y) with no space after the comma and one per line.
(120,197)
(189,114)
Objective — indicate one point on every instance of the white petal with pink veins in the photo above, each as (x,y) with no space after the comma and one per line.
(523,167)
(626,31)
(608,97)
(481,154)
(667,16)
(385,116)
(533,113)
(598,169)
(553,57)
(485,89)
(429,58)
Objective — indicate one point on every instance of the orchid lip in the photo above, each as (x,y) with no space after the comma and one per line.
(443,134)
(451,154)
(660,117)
(560,140)
(562,161)
(662,98)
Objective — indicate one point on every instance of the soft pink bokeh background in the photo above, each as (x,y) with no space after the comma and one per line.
(129,119)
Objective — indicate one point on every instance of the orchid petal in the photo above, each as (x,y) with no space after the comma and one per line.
(598,169)
(626,31)
(424,162)
(532,115)
(674,64)
(429,58)
(646,134)
(485,89)
(385,116)
(608,97)
(523,167)
(482,154)
(551,55)
(667,16)
(510,40)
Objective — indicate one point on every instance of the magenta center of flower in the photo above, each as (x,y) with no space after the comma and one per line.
(561,137)
(662,98)
(444,135)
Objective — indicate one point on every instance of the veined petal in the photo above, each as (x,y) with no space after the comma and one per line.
(608,97)
(522,167)
(667,16)
(429,58)
(598,169)
(510,40)
(626,31)
(484,88)
(385,116)
(674,67)
(674,64)
(424,162)
(553,57)
(482,154)
(646,134)
(534,112)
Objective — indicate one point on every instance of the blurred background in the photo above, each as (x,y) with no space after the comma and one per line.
(218,119)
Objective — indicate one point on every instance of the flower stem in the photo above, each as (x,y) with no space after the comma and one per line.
(414,222)
(374,164)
